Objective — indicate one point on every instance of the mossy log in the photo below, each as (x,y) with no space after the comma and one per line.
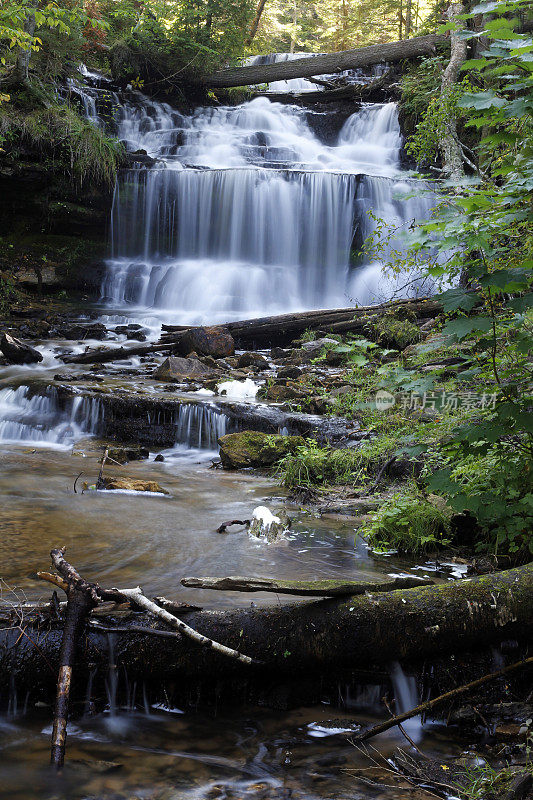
(315,640)
(324,588)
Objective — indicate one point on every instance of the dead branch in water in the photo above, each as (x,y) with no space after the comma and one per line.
(429,704)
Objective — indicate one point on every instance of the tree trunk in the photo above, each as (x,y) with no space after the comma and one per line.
(307,640)
(20,74)
(255,22)
(326,64)
(452,155)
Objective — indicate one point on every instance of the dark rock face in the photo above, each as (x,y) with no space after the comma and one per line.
(326,120)
(250,359)
(255,449)
(16,352)
(212,341)
(95,330)
(175,369)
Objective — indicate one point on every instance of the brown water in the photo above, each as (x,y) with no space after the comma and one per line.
(257,755)
(125,540)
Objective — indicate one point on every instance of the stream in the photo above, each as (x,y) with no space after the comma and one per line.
(243,211)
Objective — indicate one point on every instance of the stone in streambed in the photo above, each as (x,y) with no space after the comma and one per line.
(17,352)
(255,449)
(279,393)
(250,359)
(175,368)
(121,455)
(132,485)
(212,341)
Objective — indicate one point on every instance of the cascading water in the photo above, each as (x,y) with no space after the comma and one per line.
(47,419)
(246,212)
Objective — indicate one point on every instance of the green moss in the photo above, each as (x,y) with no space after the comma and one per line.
(255,449)
(58,133)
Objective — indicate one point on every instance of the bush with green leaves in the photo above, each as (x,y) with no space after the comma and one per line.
(409,523)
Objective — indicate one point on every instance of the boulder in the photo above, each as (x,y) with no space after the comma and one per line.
(279,393)
(214,341)
(250,359)
(17,352)
(310,350)
(77,330)
(289,372)
(255,449)
(121,455)
(175,368)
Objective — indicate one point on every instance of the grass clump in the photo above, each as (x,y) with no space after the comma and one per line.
(409,523)
(394,332)
(66,141)
(312,465)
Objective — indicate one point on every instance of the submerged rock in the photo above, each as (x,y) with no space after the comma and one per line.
(175,368)
(132,485)
(17,352)
(255,449)
(250,359)
(121,455)
(212,341)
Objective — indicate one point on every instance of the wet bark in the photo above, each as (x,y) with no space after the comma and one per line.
(325,64)
(311,640)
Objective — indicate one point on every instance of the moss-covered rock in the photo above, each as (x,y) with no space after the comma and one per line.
(255,449)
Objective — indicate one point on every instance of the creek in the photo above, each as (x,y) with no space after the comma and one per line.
(244,211)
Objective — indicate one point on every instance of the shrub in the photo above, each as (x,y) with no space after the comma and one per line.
(410,523)
(312,465)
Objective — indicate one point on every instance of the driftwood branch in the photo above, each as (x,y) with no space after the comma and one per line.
(82,597)
(140,600)
(324,588)
(429,704)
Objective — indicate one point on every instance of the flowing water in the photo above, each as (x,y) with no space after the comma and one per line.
(245,211)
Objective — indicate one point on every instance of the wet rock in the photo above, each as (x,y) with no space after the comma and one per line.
(340,391)
(250,359)
(17,352)
(159,457)
(310,350)
(278,353)
(132,485)
(289,372)
(334,359)
(212,341)
(121,455)
(279,393)
(255,449)
(175,368)
(69,330)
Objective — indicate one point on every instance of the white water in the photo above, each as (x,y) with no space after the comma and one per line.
(246,212)
(305,85)
(41,417)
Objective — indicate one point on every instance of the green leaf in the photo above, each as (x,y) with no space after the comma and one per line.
(454,299)
(464,326)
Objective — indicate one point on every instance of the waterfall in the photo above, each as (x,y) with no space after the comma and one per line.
(407,697)
(44,418)
(41,419)
(246,212)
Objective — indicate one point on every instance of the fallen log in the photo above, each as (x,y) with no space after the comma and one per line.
(325,588)
(324,64)
(102,355)
(282,329)
(319,639)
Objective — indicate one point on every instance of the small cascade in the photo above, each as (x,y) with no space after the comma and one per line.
(200,426)
(407,697)
(305,85)
(43,419)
